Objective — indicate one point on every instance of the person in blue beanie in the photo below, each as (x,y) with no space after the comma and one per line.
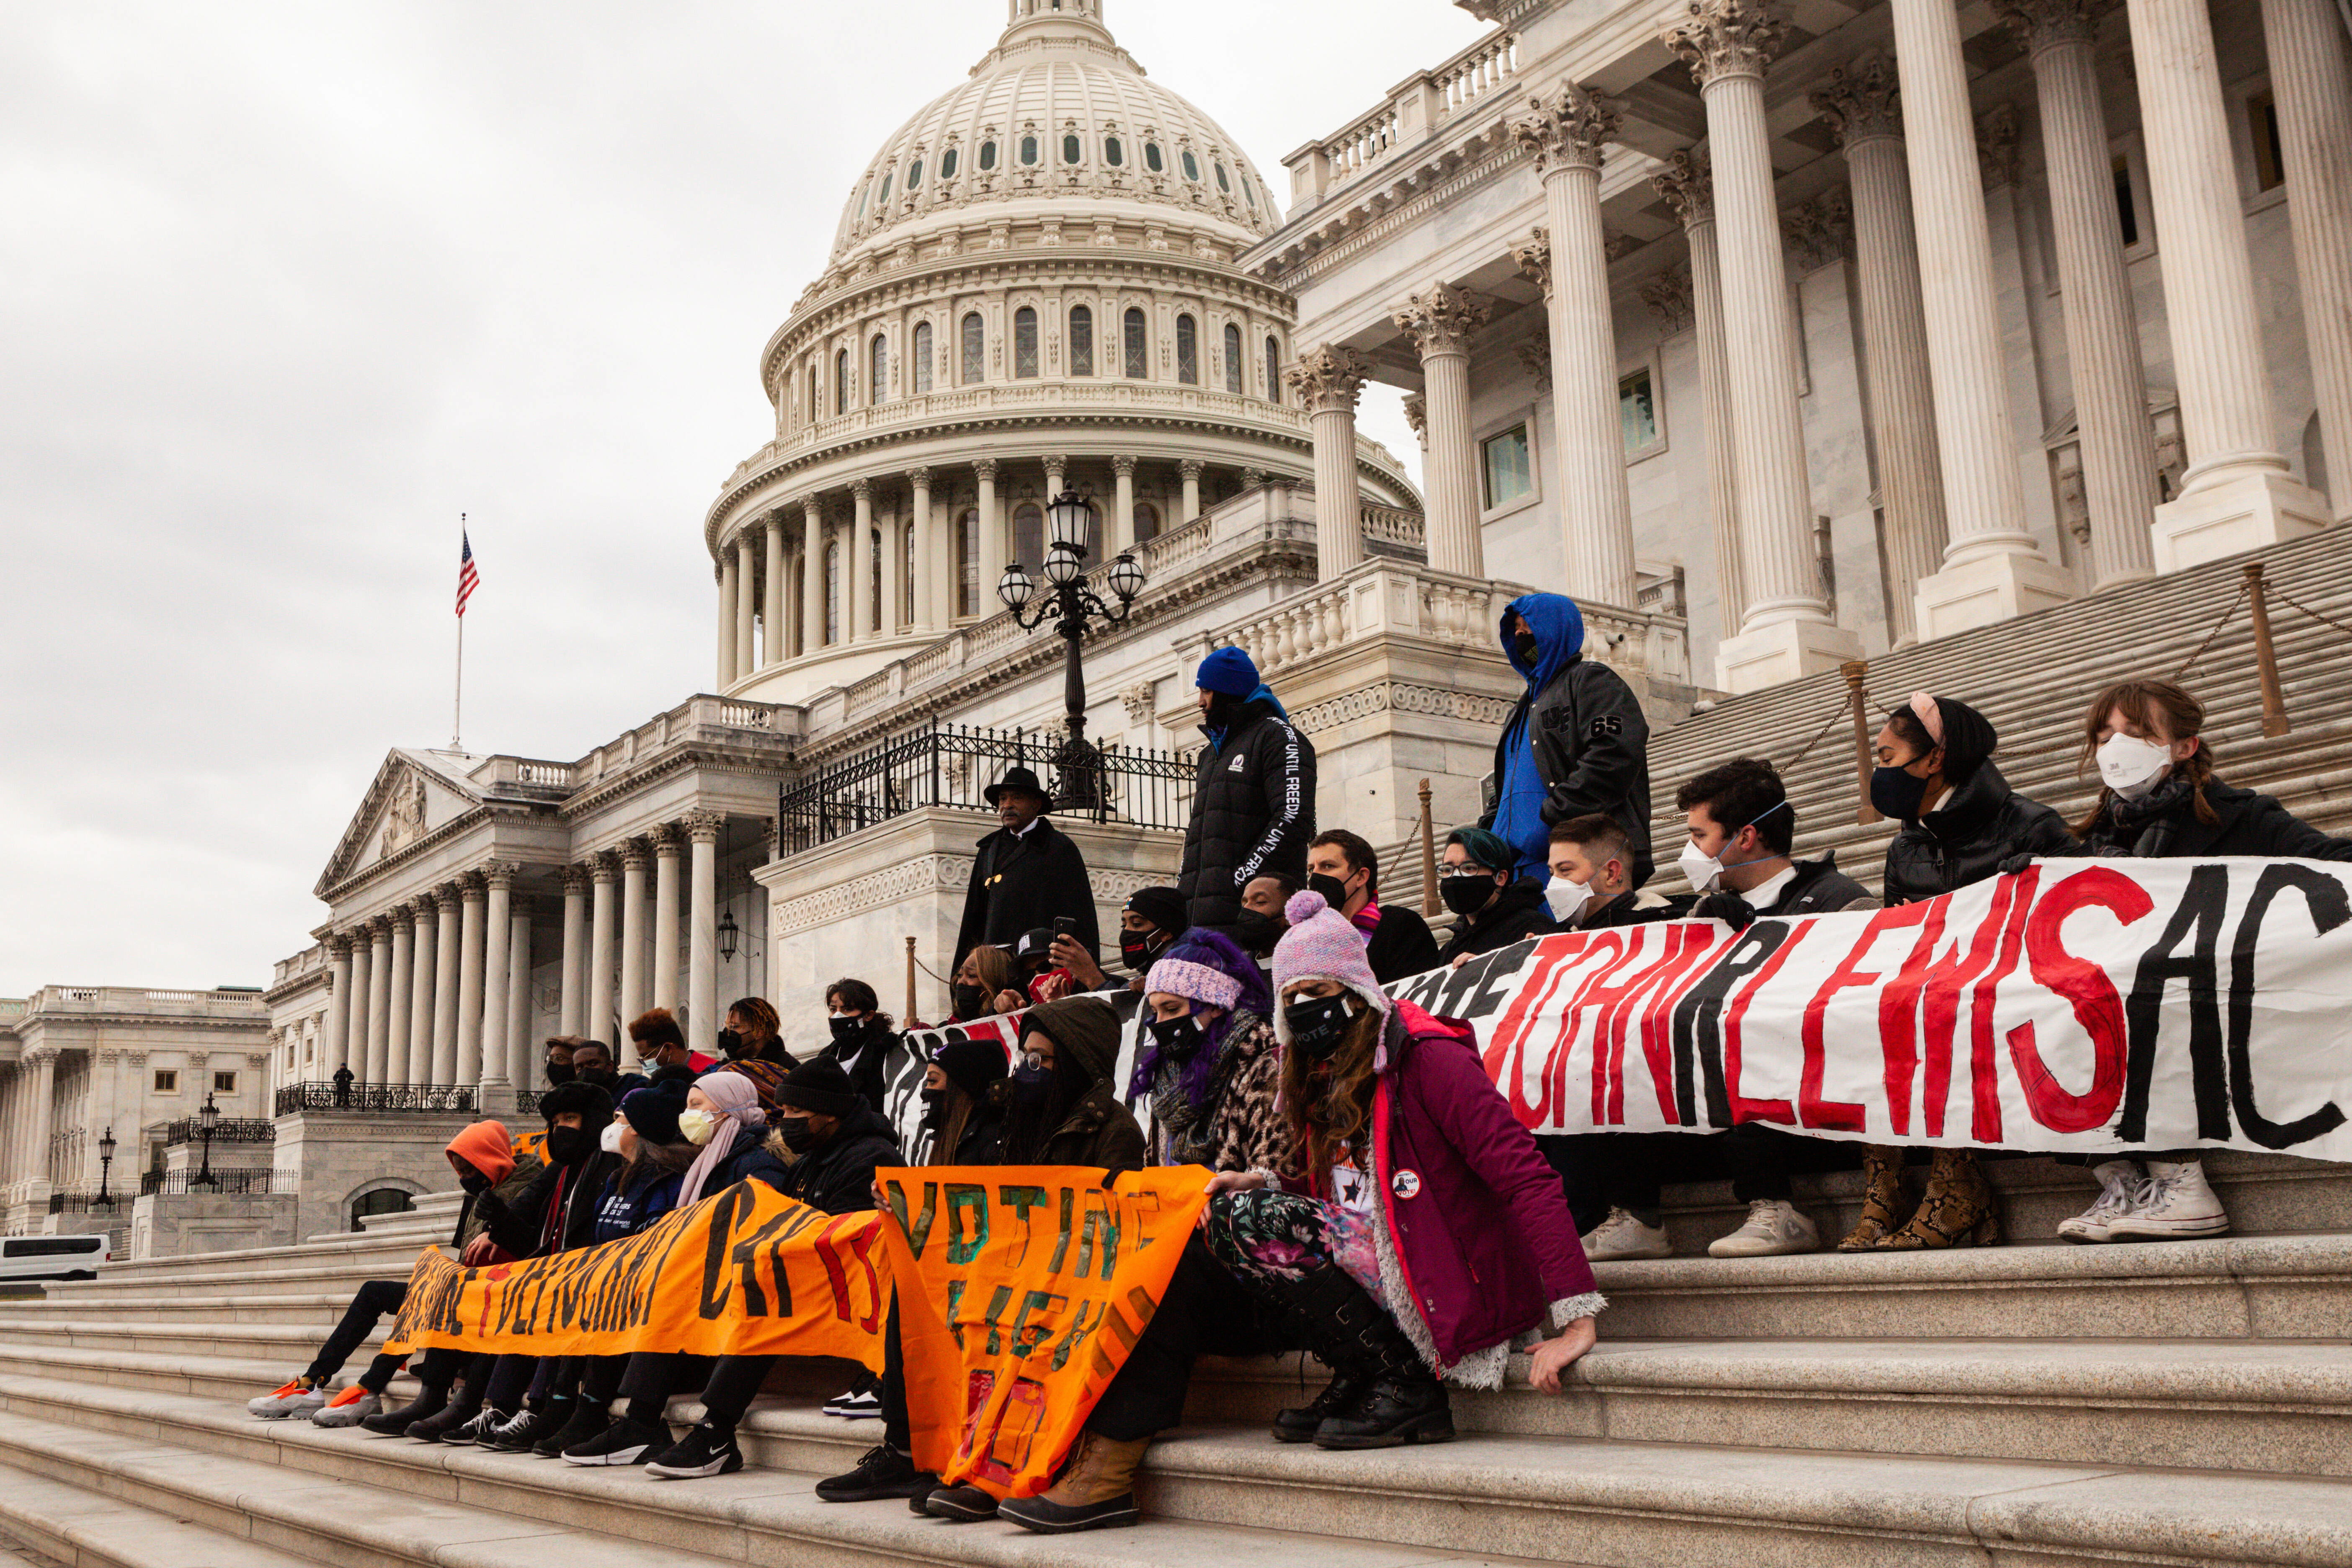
(1576,743)
(1254,803)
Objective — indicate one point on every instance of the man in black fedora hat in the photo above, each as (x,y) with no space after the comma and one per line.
(1025,874)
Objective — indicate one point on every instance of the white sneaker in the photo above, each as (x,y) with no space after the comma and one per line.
(855,1407)
(1774,1229)
(293,1400)
(2176,1205)
(2121,1188)
(1622,1235)
(349,1408)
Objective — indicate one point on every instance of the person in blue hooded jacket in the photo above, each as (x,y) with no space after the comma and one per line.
(1576,743)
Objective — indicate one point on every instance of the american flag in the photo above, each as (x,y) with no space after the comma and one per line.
(468,578)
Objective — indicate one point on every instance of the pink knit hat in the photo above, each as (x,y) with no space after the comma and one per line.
(1321,944)
(1183,977)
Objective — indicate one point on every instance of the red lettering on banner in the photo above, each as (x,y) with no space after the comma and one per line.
(1984,1065)
(1506,1056)
(1614,950)
(1932,983)
(857,1230)
(1633,1004)
(1658,1017)
(2088,992)
(1898,999)
(1812,1110)
(1742,1109)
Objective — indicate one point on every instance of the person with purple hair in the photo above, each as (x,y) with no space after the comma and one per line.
(1208,1065)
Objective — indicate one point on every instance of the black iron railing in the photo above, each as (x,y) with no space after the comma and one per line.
(953,765)
(245,1181)
(391,1098)
(83,1203)
(242,1129)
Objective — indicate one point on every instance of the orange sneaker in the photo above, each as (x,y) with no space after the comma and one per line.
(297,1398)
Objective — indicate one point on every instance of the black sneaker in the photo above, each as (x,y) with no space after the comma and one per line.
(512,1437)
(436,1429)
(477,1430)
(396,1423)
(624,1442)
(883,1472)
(706,1450)
(960,1505)
(588,1422)
(857,1404)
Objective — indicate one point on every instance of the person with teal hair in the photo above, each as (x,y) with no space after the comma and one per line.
(1576,743)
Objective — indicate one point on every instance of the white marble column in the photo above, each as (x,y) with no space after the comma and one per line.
(448,939)
(574,1009)
(664,937)
(1189,470)
(1992,569)
(811,575)
(1440,320)
(44,1090)
(702,941)
(1862,109)
(403,983)
(497,913)
(747,601)
(1120,535)
(893,571)
(1690,194)
(1566,132)
(857,623)
(522,1053)
(1058,475)
(931,559)
(2311,84)
(2237,493)
(596,1022)
(1327,381)
(336,1045)
(473,893)
(773,647)
(1788,631)
(2118,448)
(992,539)
(419,1044)
(634,858)
(728,574)
(379,1000)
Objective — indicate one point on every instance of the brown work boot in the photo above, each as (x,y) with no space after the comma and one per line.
(1956,1211)
(1886,1206)
(1096,1490)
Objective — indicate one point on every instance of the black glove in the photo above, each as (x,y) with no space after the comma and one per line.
(2011,865)
(1728,907)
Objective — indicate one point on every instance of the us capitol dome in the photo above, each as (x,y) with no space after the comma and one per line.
(1031,287)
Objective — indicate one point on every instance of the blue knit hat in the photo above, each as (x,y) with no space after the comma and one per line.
(1229,671)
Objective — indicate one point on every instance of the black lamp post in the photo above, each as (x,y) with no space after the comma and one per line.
(728,933)
(105,1163)
(207,1118)
(1073,604)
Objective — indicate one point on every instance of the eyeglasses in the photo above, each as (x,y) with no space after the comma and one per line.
(1456,873)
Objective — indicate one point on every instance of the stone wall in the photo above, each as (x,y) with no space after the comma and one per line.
(335,1157)
(171,1225)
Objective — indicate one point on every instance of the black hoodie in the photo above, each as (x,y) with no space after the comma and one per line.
(837,1175)
(1517,913)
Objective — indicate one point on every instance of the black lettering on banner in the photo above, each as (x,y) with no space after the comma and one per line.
(2198,915)
(1044,1305)
(1022,1200)
(1698,1023)
(747,1261)
(919,1232)
(1083,1324)
(994,1318)
(1062,1232)
(966,1197)
(1485,985)
(2324,897)
(715,1282)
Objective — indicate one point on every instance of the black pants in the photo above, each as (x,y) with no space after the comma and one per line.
(728,1383)
(440,1366)
(898,1430)
(370,1303)
(510,1379)
(1601,1171)
(1762,1157)
(1205,1312)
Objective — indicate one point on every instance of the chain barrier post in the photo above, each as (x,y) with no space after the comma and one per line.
(1855,670)
(910,1011)
(2275,719)
(1429,903)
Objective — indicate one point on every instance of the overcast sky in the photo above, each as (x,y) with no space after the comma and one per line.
(283,288)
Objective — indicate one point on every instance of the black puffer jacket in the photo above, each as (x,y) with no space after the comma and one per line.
(838,1176)
(578,1190)
(1978,824)
(864,1057)
(1517,913)
(1253,812)
(2166,825)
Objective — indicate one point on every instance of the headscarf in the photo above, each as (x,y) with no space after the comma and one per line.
(738,1102)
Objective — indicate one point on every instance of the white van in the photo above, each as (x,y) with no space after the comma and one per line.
(53,1256)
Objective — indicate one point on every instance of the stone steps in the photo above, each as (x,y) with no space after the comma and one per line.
(86,1528)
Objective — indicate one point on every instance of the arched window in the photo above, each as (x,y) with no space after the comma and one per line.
(832,593)
(975,350)
(922,357)
(1192,168)
(987,156)
(841,382)
(878,373)
(914,174)
(1082,340)
(906,607)
(1248,195)
(1188,351)
(1151,158)
(1147,521)
(1072,149)
(1233,357)
(1024,343)
(1028,149)
(883,196)
(1029,535)
(1273,370)
(1223,184)
(381,1200)
(874,582)
(1113,153)
(1135,349)
(865,200)
(813,408)
(967,560)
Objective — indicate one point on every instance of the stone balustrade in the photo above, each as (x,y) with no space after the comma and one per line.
(696,717)
(1420,104)
(126,999)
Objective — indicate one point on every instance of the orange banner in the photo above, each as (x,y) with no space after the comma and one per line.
(745,1272)
(1022,1287)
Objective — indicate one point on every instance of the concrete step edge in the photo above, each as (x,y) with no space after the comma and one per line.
(85,1529)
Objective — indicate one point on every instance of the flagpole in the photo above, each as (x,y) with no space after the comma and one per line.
(457,706)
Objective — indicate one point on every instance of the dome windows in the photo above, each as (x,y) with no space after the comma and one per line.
(975,349)
(1028,150)
(1192,165)
(841,382)
(1024,343)
(1273,369)
(1082,340)
(883,196)
(1135,353)
(1073,150)
(921,357)
(1151,158)
(947,164)
(1233,358)
(987,156)
(1223,184)
(914,174)
(878,379)
(1248,195)
(1113,153)
(1188,351)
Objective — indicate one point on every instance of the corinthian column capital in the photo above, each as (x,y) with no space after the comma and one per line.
(2039,24)
(1862,100)
(1688,186)
(1441,318)
(702,827)
(1723,38)
(1568,127)
(1532,256)
(1329,379)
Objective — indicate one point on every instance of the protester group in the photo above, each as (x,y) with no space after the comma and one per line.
(1373,1198)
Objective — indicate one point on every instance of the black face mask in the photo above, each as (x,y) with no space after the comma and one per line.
(1524,645)
(1465,895)
(1176,1039)
(794,1131)
(845,1030)
(560,1073)
(1255,930)
(1334,891)
(1030,1084)
(475,1183)
(602,1077)
(570,1145)
(1222,710)
(935,1107)
(1318,1025)
(733,1044)
(971,1000)
(1137,949)
(1897,793)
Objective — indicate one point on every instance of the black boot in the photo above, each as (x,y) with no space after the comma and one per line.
(436,1427)
(1393,1398)
(394,1423)
(1299,1424)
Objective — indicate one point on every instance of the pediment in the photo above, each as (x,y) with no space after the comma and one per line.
(413,795)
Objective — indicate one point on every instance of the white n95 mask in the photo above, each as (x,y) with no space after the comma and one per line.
(2131,766)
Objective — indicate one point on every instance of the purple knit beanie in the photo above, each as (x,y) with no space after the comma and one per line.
(1321,944)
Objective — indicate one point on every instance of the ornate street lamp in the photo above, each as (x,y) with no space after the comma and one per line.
(207,1118)
(105,1163)
(1072,605)
(728,933)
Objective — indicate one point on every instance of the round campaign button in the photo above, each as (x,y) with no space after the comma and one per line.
(1405,1184)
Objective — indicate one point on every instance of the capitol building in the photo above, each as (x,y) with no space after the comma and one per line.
(1779,335)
